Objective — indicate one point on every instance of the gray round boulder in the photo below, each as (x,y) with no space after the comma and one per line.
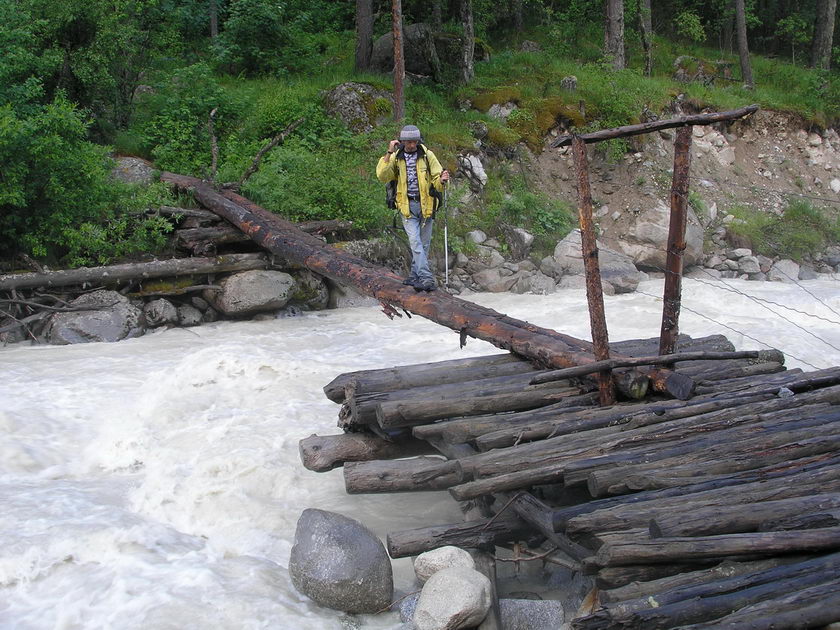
(248,292)
(160,312)
(453,598)
(111,317)
(430,562)
(340,564)
(312,292)
(617,269)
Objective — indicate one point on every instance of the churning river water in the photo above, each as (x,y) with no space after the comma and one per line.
(155,483)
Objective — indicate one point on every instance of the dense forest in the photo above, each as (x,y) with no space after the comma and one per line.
(81,82)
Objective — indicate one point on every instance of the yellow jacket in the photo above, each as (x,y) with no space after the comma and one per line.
(395,169)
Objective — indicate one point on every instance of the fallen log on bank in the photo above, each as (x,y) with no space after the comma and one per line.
(543,346)
(112,275)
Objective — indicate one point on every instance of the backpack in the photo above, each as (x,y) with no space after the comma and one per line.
(391,191)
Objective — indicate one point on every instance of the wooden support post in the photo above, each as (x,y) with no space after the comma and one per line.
(399,60)
(594,293)
(676,242)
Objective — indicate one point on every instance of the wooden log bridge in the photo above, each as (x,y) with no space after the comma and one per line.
(545,347)
(722,511)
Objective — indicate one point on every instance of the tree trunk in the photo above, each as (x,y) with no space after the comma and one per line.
(743,48)
(517,15)
(399,60)
(473,534)
(646,32)
(468,50)
(614,33)
(823,34)
(364,34)
(323,453)
(112,275)
(437,15)
(214,19)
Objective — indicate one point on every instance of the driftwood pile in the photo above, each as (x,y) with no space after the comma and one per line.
(718,511)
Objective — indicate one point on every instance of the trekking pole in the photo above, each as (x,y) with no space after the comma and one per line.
(445,239)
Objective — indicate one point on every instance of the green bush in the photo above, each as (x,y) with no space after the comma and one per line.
(800,230)
(57,199)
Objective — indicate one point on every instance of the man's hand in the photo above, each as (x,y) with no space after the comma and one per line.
(393,146)
(444,176)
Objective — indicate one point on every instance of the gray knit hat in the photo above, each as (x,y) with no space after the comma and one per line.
(410,132)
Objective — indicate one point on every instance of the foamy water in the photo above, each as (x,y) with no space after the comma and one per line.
(156,482)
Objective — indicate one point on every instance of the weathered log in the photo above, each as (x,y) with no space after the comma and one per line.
(485,564)
(194,239)
(726,569)
(116,274)
(323,453)
(403,475)
(673,472)
(665,550)
(814,607)
(789,470)
(759,432)
(403,413)
(467,429)
(203,216)
(175,290)
(544,346)
(629,515)
(665,359)
(676,242)
(635,130)
(425,374)
(594,292)
(625,416)
(364,407)
(692,604)
(614,577)
(735,519)
(482,534)
(546,462)
(582,453)
(817,520)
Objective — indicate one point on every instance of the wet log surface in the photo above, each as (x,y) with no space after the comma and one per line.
(719,511)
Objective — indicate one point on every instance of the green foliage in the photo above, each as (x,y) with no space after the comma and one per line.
(177,130)
(263,37)
(800,230)
(55,189)
(688,25)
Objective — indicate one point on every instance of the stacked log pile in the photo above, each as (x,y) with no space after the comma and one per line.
(718,511)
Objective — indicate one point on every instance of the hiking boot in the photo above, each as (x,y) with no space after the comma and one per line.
(425,285)
(410,281)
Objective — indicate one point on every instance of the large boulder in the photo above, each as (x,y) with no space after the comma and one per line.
(248,292)
(784,270)
(617,270)
(453,598)
(160,312)
(111,317)
(312,292)
(430,562)
(133,170)
(340,564)
(420,56)
(360,106)
(531,614)
(643,236)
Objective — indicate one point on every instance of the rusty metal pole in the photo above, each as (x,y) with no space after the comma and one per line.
(676,242)
(594,294)
(399,60)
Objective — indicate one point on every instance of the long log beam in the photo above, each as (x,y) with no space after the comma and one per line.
(635,130)
(111,275)
(543,346)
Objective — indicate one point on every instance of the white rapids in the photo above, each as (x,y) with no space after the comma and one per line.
(156,483)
